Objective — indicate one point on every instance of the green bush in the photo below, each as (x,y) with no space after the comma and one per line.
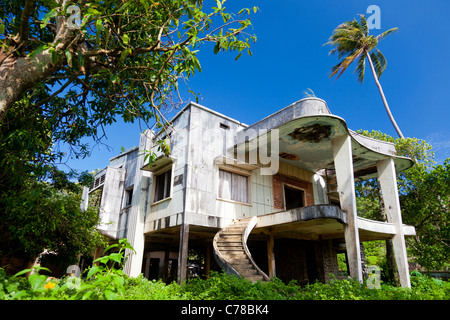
(107,281)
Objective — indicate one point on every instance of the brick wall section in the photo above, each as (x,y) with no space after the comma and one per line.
(278,181)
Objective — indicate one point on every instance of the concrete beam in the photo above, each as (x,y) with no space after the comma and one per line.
(389,190)
(343,162)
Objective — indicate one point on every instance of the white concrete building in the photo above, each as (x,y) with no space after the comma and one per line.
(276,198)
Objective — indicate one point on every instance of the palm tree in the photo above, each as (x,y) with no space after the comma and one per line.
(353,41)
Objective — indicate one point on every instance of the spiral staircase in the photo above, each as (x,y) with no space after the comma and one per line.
(231,251)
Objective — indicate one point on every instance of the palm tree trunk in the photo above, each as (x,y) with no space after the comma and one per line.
(399,132)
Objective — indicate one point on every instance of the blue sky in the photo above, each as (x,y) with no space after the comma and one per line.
(289,57)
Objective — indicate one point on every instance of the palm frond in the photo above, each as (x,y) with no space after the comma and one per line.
(386,33)
(379,62)
(363,25)
(346,62)
(361,68)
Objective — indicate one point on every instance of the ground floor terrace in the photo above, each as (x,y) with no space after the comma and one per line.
(300,244)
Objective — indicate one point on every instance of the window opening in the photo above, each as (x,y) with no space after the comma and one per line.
(293,198)
(162,185)
(233,186)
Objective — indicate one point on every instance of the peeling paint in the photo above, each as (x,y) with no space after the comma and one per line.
(313,133)
(289,156)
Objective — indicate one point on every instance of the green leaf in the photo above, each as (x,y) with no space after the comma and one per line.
(98,26)
(38,50)
(126,5)
(68,56)
(217,47)
(22,272)
(125,53)
(87,295)
(125,39)
(111,246)
(2,28)
(47,17)
(36,280)
(54,55)
(110,295)
(113,78)
(80,59)
(94,270)
(117,257)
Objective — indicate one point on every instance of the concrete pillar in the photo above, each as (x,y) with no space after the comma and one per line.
(183,252)
(208,259)
(136,220)
(343,163)
(389,189)
(271,256)
(166,266)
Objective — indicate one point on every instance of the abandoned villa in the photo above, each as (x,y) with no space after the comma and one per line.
(276,198)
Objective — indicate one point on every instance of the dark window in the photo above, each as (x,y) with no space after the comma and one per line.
(129,197)
(224,126)
(293,198)
(153,272)
(162,185)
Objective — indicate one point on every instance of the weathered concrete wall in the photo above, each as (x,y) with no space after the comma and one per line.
(200,136)
(111,202)
(168,212)
(210,135)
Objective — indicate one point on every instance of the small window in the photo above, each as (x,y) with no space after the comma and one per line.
(128,197)
(293,198)
(233,186)
(162,185)
(224,126)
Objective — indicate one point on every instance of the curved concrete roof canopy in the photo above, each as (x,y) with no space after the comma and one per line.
(306,129)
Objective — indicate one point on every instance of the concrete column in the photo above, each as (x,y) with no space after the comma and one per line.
(271,256)
(208,259)
(183,252)
(343,163)
(389,189)
(136,220)
(166,265)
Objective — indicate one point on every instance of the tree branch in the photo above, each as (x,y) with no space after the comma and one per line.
(24,21)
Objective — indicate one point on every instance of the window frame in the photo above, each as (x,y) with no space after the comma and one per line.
(236,172)
(163,171)
(283,185)
(128,197)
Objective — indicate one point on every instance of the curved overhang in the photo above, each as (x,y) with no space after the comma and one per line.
(305,133)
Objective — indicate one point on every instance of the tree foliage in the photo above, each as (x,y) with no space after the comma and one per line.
(42,217)
(352,42)
(70,68)
(85,64)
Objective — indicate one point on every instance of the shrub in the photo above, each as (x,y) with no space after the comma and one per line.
(107,281)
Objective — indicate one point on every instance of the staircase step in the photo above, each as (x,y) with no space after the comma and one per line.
(255,278)
(230,244)
(231,249)
(248,273)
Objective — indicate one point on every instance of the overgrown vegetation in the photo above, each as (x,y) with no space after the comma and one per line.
(106,281)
